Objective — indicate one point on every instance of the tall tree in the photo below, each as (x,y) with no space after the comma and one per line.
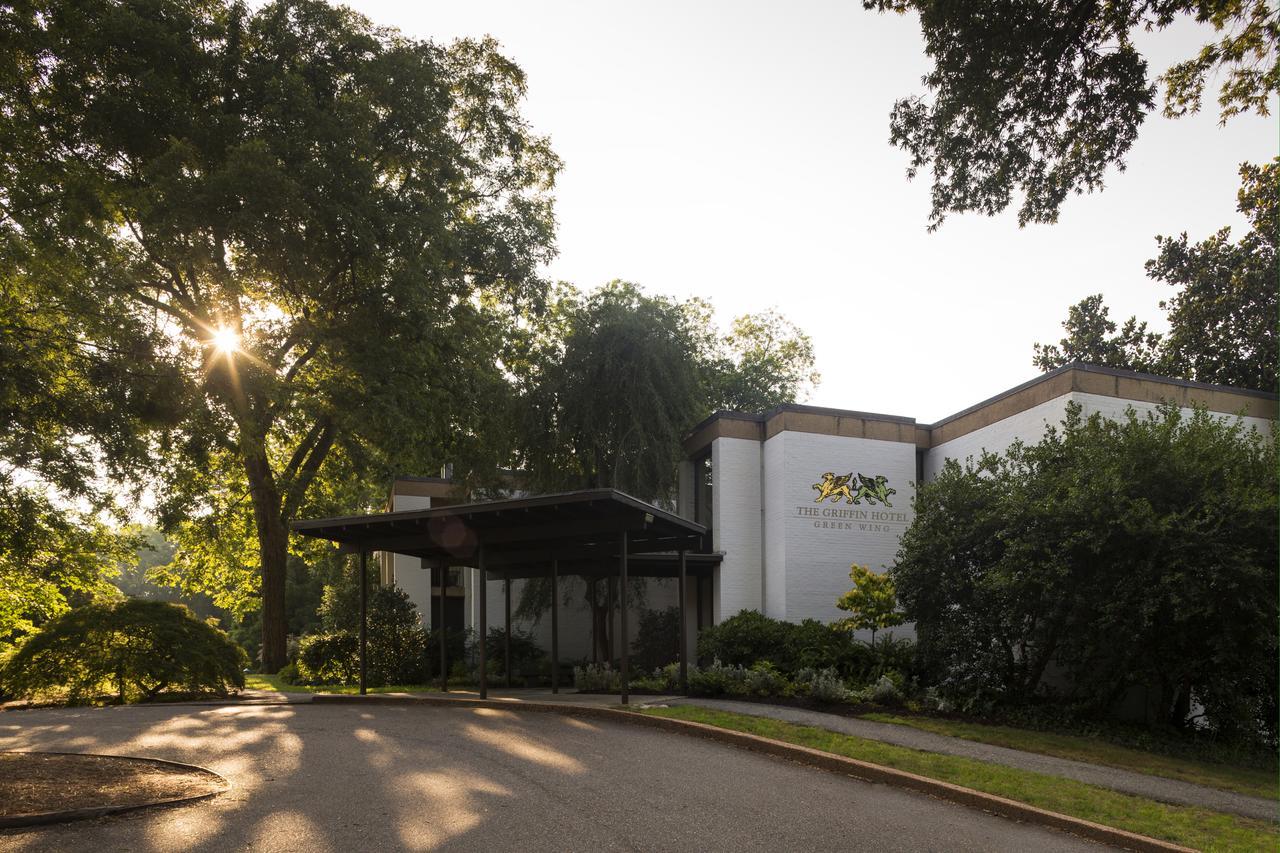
(317,224)
(1222,319)
(612,383)
(1038,99)
(765,360)
(1092,338)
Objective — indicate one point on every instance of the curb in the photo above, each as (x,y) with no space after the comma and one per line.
(67,815)
(804,755)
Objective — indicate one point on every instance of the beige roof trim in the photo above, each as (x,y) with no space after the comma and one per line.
(1080,378)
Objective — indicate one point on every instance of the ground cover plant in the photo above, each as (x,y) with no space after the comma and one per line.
(1191,826)
(132,650)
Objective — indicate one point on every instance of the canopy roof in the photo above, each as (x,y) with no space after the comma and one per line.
(580,529)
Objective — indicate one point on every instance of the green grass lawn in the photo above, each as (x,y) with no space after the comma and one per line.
(1244,780)
(272,682)
(1187,825)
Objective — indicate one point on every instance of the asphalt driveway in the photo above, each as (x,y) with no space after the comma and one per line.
(345,777)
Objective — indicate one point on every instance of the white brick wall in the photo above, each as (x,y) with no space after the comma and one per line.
(823,540)
(407,572)
(1113,407)
(1028,426)
(774,494)
(735,514)
(1031,424)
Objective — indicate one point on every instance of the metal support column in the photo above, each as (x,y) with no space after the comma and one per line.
(506,630)
(364,616)
(684,631)
(622,606)
(484,619)
(555,627)
(442,636)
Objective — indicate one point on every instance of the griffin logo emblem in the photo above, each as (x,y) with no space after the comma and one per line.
(873,490)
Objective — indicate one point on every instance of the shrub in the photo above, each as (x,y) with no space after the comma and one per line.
(330,658)
(886,692)
(745,638)
(749,637)
(764,679)
(657,641)
(818,645)
(527,657)
(595,677)
(718,679)
(823,685)
(398,649)
(136,649)
(288,673)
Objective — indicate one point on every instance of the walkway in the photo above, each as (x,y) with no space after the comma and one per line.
(420,776)
(1129,782)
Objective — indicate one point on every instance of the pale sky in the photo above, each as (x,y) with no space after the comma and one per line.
(739,152)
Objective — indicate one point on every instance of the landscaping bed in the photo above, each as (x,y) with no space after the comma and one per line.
(39,783)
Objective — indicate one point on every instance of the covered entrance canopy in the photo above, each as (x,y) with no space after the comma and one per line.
(594,533)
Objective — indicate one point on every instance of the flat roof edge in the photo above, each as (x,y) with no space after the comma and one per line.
(1104,371)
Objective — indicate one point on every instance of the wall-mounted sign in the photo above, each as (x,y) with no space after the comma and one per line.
(836,488)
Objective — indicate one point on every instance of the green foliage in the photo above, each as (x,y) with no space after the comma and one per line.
(1132,555)
(328,658)
(748,638)
(398,651)
(1222,319)
(528,660)
(596,678)
(51,559)
(822,685)
(657,641)
(1092,339)
(1038,100)
(614,380)
(744,638)
(361,208)
(871,601)
(135,649)
(764,361)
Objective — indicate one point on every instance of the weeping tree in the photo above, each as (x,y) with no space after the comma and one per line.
(319,228)
(613,381)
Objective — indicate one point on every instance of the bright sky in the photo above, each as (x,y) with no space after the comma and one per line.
(740,152)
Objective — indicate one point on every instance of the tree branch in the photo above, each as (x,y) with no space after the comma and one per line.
(307,472)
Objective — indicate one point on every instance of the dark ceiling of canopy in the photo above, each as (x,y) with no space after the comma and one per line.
(521,536)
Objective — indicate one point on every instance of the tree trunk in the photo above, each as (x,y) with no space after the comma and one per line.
(273,552)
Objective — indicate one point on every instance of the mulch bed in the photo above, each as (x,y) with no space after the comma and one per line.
(41,782)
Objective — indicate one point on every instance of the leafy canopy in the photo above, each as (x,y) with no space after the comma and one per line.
(1222,318)
(612,382)
(51,559)
(360,210)
(1038,99)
